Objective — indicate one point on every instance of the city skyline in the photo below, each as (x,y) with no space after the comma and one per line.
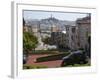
(55,41)
(28,14)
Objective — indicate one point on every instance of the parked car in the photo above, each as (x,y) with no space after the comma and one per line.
(76,57)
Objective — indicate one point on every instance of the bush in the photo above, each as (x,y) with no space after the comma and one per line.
(28,66)
(52,57)
(52,49)
(81,49)
(45,52)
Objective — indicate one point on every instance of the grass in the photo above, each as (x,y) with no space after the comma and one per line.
(30,66)
(79,65)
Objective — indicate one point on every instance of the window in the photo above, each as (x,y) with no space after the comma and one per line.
(67,28)
(73,30)
(72,38)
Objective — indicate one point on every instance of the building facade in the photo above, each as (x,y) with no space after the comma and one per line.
(84,31)
(67,39)
(72,37)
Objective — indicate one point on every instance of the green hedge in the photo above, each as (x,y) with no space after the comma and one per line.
(28,66)
(45,52)
(52,57)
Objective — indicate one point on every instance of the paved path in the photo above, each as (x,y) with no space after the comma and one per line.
(50,64)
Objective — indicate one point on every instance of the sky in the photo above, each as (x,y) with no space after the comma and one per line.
(58,15)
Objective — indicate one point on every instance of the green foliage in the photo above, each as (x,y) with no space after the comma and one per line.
(52,57)
(45,52)
(46,40)
(29,41)
(78,65)
(30,66)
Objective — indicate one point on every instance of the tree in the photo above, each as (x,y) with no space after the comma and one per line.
(46,40)
(29,42)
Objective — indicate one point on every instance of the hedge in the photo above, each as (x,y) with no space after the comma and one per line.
(28,66)
(45,52)
(52,57)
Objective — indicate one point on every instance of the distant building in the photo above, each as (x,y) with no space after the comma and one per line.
(55,28)
(59,39)
(66,39)
(62,34)
(27,28)
(72,37)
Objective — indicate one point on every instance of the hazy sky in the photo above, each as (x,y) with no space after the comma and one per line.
(59,15)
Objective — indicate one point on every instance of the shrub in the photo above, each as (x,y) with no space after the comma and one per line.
(52,57)
(45,52)
(30,66)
